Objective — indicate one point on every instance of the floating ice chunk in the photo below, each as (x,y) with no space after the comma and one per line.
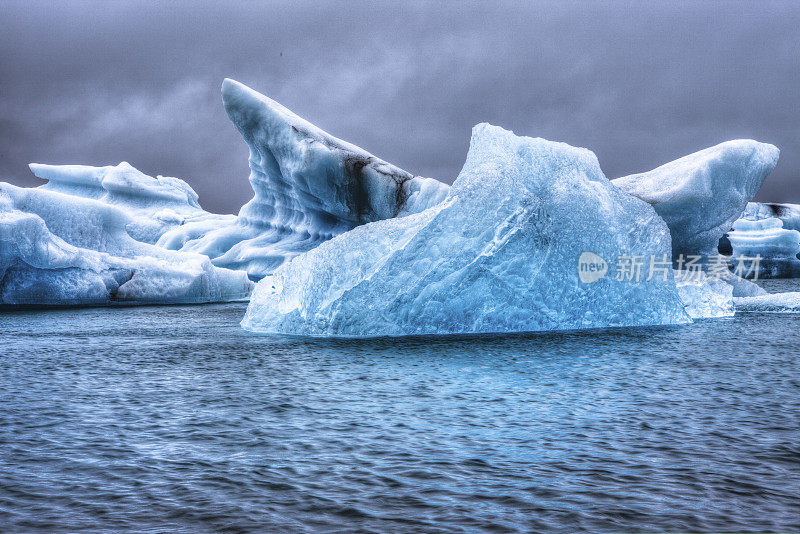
(702,194)
(309,187)
(770,303)
(500,254)
(154,205)
(63,250)
(705,297)
(765,249)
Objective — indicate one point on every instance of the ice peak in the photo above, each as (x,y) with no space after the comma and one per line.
(254,113)
(309,187)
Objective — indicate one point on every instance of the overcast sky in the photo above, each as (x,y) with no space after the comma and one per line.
(98,83)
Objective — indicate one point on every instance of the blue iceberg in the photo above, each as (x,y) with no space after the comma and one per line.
(528,238)
(789,214)
(771,232)
(765,249)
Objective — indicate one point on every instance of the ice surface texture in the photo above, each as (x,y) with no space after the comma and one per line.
(309,187)
(154,204)
(702,194)
(63,250)
(705,297)
(499,254)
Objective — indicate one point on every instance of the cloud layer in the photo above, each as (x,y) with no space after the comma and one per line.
(97,83)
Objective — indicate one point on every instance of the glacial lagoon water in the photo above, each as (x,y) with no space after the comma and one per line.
(159,419)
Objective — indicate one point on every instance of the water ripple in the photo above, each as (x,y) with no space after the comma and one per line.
(174,419)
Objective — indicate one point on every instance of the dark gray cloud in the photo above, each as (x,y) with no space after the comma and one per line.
(640,84)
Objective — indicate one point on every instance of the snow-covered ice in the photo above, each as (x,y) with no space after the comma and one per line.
(499,254)
(154,205)
(309,187)
(378,251)
(60,249)
(702,194)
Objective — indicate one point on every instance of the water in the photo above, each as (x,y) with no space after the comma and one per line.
(174,419)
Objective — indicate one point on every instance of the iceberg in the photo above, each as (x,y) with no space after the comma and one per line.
(765,249)
(154,205)
(702,194)
(769,231)
(309,187)
(60,249)
(528,238)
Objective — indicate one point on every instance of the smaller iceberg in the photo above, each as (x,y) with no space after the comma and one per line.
(768,231)
(702,194)
(155,205)
(765,249)
(61,249)
(529,238)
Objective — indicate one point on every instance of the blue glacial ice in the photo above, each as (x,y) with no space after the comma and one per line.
(702,194)
(706,296)
(154,205)
(776,248)
(60,249)
(499,254)
(309,187)
(378,251)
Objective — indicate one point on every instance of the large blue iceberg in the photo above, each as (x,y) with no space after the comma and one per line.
(529,238)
